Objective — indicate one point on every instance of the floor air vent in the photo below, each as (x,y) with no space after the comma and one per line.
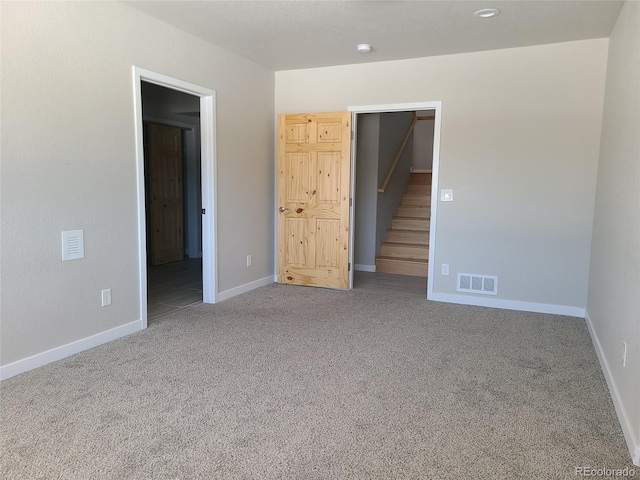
(485,284)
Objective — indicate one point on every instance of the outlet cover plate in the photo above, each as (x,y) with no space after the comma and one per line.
(106,297)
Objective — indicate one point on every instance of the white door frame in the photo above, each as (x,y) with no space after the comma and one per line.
(209,182)
(400,107)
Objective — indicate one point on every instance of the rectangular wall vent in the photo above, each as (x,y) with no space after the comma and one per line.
(72,245)
(472,283)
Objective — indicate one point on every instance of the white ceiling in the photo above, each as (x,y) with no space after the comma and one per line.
(284,35)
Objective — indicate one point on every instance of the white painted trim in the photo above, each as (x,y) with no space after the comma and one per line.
(209,181)
(275,201)
(247,287)
(209,169)
(142,228)
(632,443)
(352,195)
(491,302)
(364,268)
(435,180)
(393,107)
(58,353)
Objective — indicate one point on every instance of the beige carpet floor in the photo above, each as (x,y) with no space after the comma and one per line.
(303,383)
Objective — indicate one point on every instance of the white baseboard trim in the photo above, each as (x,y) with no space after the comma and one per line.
(58,353)
(632,443)
(247,287)
(364,268)
(508,304)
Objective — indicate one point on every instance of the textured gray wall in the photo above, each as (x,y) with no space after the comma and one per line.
(423,142)
(520,139)
(366,188)
(69,162)
(614,281)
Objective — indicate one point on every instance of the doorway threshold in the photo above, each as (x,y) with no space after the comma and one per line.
(390,284)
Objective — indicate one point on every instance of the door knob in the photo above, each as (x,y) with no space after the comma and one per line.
(281,209)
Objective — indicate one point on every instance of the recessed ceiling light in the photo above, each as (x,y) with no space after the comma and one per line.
(487,13)
(363,47)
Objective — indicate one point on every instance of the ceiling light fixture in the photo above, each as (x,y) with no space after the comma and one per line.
(363,47)
(487,13)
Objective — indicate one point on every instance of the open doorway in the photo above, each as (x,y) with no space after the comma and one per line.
(394,175)
(175,135)
(173,199)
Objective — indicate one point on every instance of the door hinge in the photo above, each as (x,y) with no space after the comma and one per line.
(351,202)
(352,134)
(349,266)
(204,211)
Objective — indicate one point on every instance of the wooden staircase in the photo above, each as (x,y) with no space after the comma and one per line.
(406,250)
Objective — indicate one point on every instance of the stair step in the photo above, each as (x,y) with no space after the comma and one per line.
(420,178)
(416,199)
(419,188)
(413,211)
(404,250)
(402,266)
(416,237)
(410,223)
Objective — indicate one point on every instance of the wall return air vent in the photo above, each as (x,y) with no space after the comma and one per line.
(72,245)
(472,283)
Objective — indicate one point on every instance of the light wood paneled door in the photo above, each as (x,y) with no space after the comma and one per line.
(165,196)
(314,169)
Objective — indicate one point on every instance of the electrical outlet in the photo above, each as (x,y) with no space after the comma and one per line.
(106,297)
(624,354)
(248,260)
(445,269)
